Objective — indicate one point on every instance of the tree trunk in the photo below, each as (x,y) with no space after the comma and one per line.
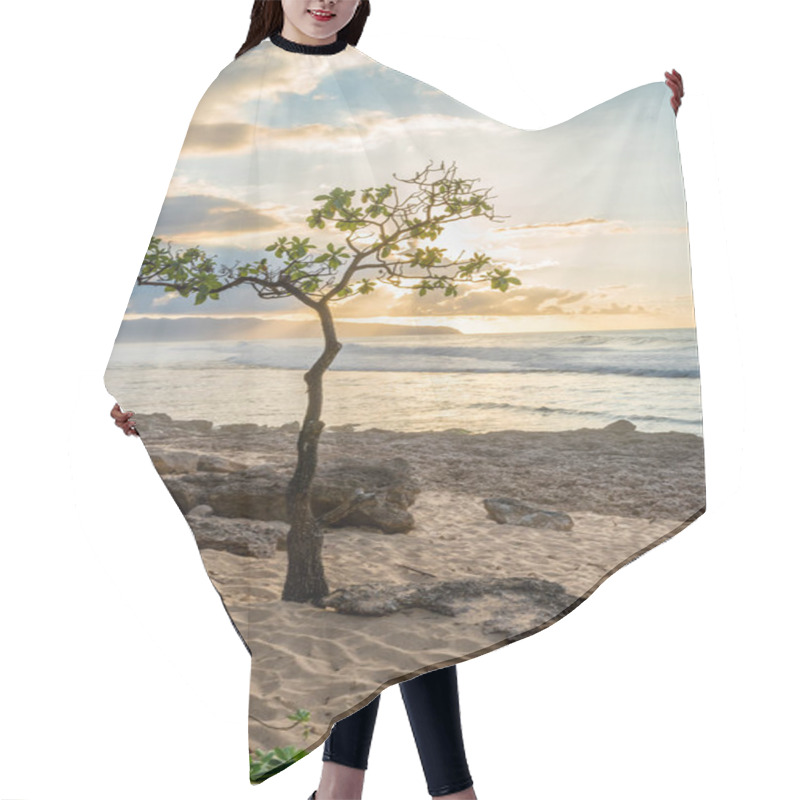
(305,576)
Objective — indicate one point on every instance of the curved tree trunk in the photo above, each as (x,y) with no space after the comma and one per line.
(305,576)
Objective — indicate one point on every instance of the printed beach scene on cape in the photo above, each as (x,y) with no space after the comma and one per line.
(419,381)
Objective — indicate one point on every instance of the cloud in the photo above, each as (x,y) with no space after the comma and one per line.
(525,301)
(215,139)
(163,299)
(257,76)
(588,226)
(193,216)
(615,308)
(367,129)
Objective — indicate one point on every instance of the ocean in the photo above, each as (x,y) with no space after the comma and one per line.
(479,382)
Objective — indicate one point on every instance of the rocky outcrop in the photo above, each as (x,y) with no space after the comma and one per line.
(242,537)
(390,483)
(614,470)
(386,488)
(171,462)
(508,511)
(509,605)
(620,426)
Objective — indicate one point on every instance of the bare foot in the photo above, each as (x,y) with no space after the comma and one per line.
(339,782)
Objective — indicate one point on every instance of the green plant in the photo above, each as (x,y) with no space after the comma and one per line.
(264,765)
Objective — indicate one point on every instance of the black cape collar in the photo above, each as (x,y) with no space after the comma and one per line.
(310,49)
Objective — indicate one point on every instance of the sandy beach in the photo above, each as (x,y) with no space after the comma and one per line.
(623,491)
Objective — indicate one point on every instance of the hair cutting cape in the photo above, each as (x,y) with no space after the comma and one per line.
(419,381)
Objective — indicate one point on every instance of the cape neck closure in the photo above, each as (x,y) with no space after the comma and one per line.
(309,49)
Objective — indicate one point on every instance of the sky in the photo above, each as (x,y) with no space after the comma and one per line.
(590,213)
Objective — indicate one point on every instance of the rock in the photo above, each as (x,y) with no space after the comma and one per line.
(242,537)
(214,463)
(157,426)
(620,426)
(195,425)
(239,427)
(254,493)
(157,417)
(259,493)
(390,481)
(388,517)
(509,511)
(452,597)
(168,462)
(281,532)
(153,427)
(171,462)
(292,427)
(201,511)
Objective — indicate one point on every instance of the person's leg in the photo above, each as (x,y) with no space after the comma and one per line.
(433,710)
(345,755)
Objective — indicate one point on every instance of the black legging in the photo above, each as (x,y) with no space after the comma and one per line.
(432,706)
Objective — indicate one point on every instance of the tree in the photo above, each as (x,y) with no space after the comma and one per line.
(318,281)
